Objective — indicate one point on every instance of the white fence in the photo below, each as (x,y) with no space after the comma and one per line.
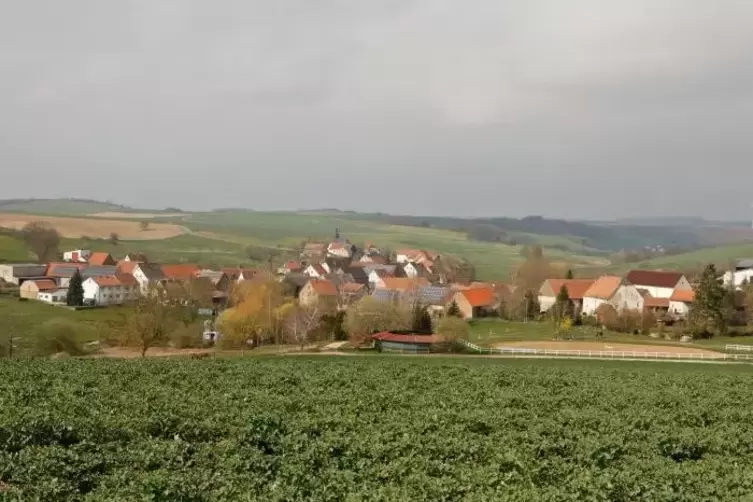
(609,354)
(739,348)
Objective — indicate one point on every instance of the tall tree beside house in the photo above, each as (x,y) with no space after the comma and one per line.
(75,296)
(563,306)
(421,320)
(454,310)
(707,317)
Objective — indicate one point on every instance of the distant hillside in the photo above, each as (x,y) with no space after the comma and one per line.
(71,206)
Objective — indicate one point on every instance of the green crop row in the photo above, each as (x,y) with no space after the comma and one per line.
(374,428)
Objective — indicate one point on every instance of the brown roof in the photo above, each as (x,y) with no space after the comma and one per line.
(352,287)
(106,281)
(324,287)
(45,284)
(404,283)
(183,271)
(683,295)
(479,297)
(604,287)
(101,258)
(653,302)
(576,288)
(655,278)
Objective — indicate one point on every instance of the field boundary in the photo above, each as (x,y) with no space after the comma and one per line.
(604,354)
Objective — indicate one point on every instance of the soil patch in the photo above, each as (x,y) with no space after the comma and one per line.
(95,228)
(135,216)
(608,347)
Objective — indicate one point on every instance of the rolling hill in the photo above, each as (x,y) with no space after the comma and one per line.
(493,245)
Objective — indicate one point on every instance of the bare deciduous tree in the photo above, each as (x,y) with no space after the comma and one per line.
(42,239)
(151,321)
(300,323)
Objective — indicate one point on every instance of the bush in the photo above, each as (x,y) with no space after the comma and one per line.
(187,337)
(55,336)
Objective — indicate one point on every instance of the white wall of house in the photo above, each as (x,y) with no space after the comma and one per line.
(82,255)
(410,270)
(109,295)
(590,304)
(546,302)
(57,296)
(141,278)
(656,291)
(627,297)
(739,277)
(679,308)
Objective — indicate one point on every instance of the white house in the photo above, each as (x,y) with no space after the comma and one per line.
(743,273)
(77,255)
(110,290)
(614,291)
(658,284)
(53,295)
(680,302)
(410,255)
(317,270)
(148,276)
(338,249)
(576,290)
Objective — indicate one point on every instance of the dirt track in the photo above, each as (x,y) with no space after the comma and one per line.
(135,216)
(608,347)
(96,228)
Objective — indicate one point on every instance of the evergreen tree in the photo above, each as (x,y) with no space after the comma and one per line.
(75,296)
(707,316)
(563,306)
(454,310)
(421,322)
(569,274)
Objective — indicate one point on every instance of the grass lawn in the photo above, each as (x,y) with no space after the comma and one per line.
(13,250)
(487,332)
(22,319)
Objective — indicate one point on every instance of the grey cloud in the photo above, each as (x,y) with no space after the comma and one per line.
(586,108)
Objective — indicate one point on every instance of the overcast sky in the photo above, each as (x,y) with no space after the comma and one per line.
(576,109)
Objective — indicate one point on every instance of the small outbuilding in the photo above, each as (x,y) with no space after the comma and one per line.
(405,342)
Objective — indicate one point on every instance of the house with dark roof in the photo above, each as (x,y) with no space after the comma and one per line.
(15,273)
(148,275)
(658,283)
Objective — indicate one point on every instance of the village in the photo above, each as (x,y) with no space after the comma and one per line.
(331,276)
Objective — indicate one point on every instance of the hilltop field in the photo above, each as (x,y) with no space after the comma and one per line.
(493,246)
(374,428)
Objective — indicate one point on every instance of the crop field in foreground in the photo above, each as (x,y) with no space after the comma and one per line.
(374,428)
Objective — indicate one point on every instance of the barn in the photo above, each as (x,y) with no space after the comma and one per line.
(405,342)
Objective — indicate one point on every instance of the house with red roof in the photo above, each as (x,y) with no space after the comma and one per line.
(681,301)
(100,258)
(612,290)
(319,293)
(576,291)
(476,302)
(31,289)
(180,272)
(658,283)
(111,290)
(317,270)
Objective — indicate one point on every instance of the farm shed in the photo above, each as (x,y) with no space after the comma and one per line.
(400,342)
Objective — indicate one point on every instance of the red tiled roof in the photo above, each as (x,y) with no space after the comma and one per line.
(126,267)
(106,281)
(100,258)
(655,278)
(404,283)
(127,279)
(183,271)
(319,268)
(324,287)
(400,338)
(652,302)
(479,297)
(604,287)
(45,284)
(683,295)
(576,288)
(293,265)
(352,287)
